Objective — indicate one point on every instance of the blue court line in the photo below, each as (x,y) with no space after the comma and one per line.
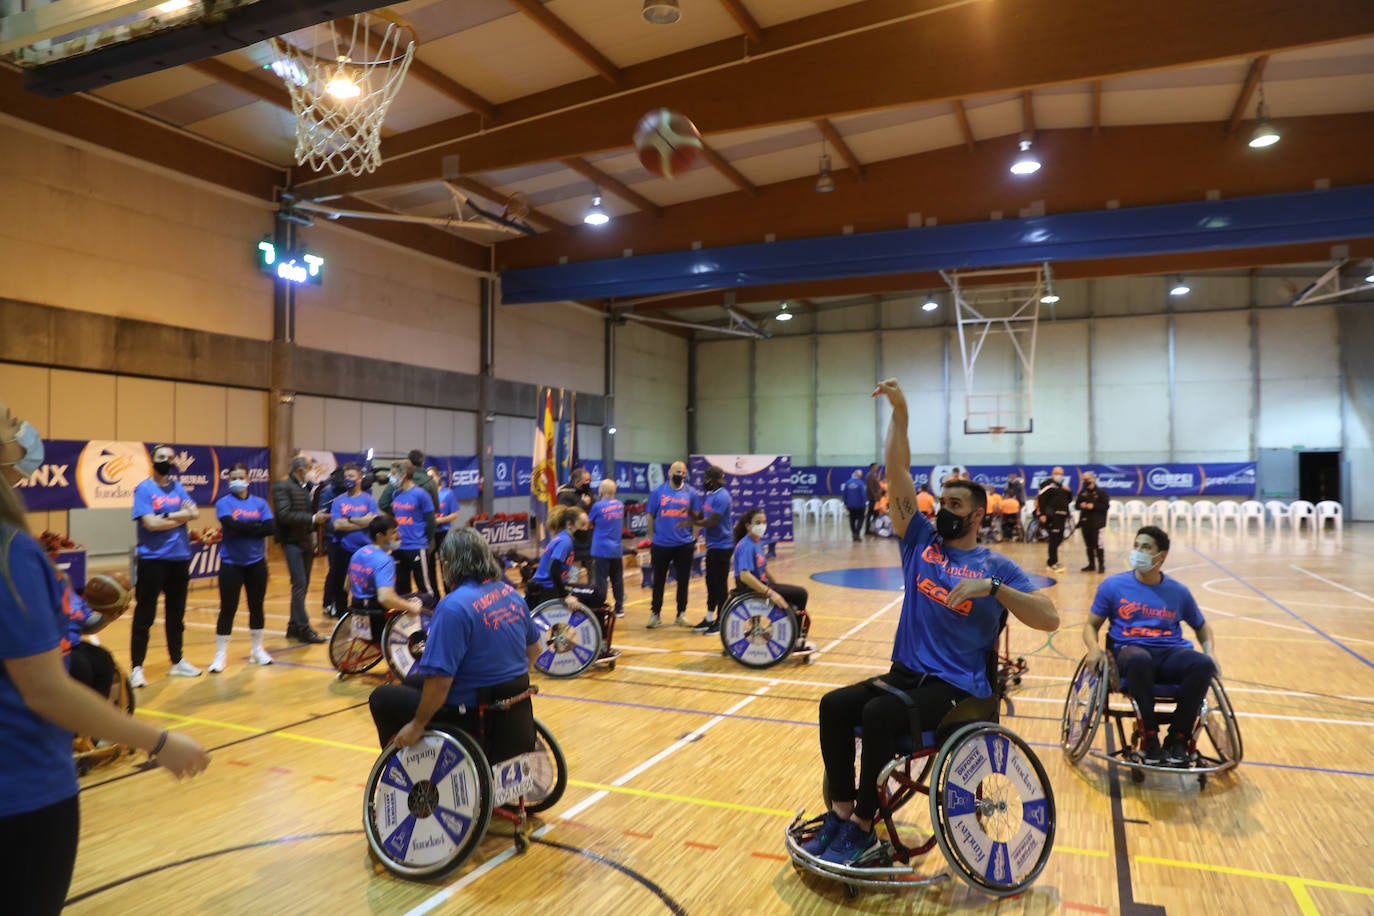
(1324,635)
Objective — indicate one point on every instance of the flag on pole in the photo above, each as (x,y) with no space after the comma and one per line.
(567,436)
(543,482)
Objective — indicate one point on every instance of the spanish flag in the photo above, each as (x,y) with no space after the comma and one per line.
(544,481)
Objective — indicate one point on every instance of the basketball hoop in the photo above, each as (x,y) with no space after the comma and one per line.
(340,94)
(996,433)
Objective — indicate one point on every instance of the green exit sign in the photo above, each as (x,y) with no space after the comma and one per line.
(292,266)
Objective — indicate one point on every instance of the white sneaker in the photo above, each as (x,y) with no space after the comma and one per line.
(217,663)
(259,657)
(183,668)
(136,678)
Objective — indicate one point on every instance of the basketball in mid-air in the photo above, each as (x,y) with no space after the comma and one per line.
(667,142)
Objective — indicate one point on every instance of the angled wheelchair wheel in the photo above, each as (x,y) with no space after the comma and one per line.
(351,649)
(755,633)
(1083,708)
(571,639)
(992,809)
(403,640)
(427,806)
(549,769)
(1220,725)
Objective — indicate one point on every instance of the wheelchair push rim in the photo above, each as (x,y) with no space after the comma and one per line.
(1083,708)
(570,640)
(1218,719)
(992,808)
(756,633)
(349,650)
(403,639)
(549,769)
(428,806)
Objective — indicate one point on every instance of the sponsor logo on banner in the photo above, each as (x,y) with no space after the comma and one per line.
(197,471)
(205,562)
(1244,476)
(107,473)
(49,475)
(1161,479)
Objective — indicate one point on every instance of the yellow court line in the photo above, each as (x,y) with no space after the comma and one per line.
(1251,873)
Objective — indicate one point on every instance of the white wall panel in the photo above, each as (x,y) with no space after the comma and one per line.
(378,430)
(307,419)
(1213,390)
(651,394)
(1300,397)
(783,380)
(343,424)
(1060,396)
(1131,389)
(144,409)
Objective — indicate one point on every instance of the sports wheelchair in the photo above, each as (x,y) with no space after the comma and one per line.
(573,640)
(991,809)
(354,649)
(1214,746)
(428,806)
(90,752)
(758,634)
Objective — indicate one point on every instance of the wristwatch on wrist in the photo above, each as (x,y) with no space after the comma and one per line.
(996,584)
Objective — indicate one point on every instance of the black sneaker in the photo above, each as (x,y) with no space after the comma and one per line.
(1089,568)
(712,628)
(1176,752)
(1153,754)
(702,627)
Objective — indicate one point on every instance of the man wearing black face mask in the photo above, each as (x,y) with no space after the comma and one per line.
(717,520)
(578,492)
(1052,508)
(670,508)
(1092,504)
(957,598)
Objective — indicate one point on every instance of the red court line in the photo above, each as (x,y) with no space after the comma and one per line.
(324,778)
(769,855)
(278,770)
(695,845)
(1085,907)
(238,763)
(639,836)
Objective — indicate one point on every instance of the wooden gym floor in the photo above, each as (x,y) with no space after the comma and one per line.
(685,767)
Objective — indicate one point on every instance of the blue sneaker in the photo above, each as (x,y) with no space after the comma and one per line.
(825,833)
(851,842)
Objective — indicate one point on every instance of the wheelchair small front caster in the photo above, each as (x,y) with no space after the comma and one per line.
(522,842)
(850,891)
(1137,775)
(1201,781)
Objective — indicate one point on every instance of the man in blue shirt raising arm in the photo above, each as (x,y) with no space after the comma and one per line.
(956,595)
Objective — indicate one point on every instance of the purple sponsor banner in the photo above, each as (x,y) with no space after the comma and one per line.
(505,532)
(512,474)
(755,482)
(462,473)
(638,477)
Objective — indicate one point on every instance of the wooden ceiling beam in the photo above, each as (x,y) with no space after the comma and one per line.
(1247,90)
(1135,165)
(744,19)
(221,72)
(1097,107)
(875,55)
(613,185)
(569,38)
(1027,114)
(446,85)
(476,187)
(964,128)
(833,137)
(719,163)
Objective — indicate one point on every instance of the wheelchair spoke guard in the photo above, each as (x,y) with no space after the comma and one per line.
(570,640)
(757,634)
(403,639)
(351,647)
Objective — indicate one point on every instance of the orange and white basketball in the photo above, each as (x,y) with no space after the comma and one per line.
(668,142)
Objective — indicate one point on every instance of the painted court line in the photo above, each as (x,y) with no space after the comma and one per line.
(859,626)
(429,903)
(1344,588)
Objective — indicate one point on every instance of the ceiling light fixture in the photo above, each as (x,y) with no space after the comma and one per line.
(1026,162)
(930,304)
(1177,287)
(1050,297)
(1370,278)
(661,12)
(596,214)
(824,183)
(1265,134)
(172,6)
(341,86)
(783,313)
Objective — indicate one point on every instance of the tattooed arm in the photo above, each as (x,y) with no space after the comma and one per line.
(901,489)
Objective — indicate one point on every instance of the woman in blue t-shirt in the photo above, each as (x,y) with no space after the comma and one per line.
(247,521)
(749,563)
(1145,608)
(41,706)
(555,579)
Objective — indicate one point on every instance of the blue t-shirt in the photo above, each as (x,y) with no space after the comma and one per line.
(719,536)
(669,507)
(560,548)
(239,549)
(855,493)
(368,570)
(150,499)
(36,769)
(448,504)
(410,507)
(608,519)
(479,637)
(326,496)
(353,507)
(749,557)
(1146,615)
(950,643)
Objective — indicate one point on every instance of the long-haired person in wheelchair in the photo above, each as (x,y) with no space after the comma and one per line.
(750,565)
(554,579)
(41,706)
(479,649)
(1145,608)
(957,596)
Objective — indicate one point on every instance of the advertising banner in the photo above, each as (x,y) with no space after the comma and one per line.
(1122,481)
(504,533)
(755,482)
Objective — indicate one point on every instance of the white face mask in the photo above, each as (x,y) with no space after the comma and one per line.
(759,530)
(1141,561)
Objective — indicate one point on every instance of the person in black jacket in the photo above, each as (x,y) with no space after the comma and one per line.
(578,492)
(1092,503)
(295,527)
(1052,508)
(873,489)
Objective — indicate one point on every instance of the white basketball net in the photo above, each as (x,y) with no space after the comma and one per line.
(341,87)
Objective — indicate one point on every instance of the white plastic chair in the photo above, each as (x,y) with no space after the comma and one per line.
(834,509)
(1137,510)
(1228,511)
(1159,512)
(1278,513)
(1252,510)
(1180,513)
(1301,510)
(1329,509)
(813,508)
(1116,515)
(798,509)
(1204,510)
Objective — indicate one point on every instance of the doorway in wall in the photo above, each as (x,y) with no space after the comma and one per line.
(1319,476)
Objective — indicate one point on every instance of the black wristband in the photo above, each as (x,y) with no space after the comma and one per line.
(996,584)
(161,743)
